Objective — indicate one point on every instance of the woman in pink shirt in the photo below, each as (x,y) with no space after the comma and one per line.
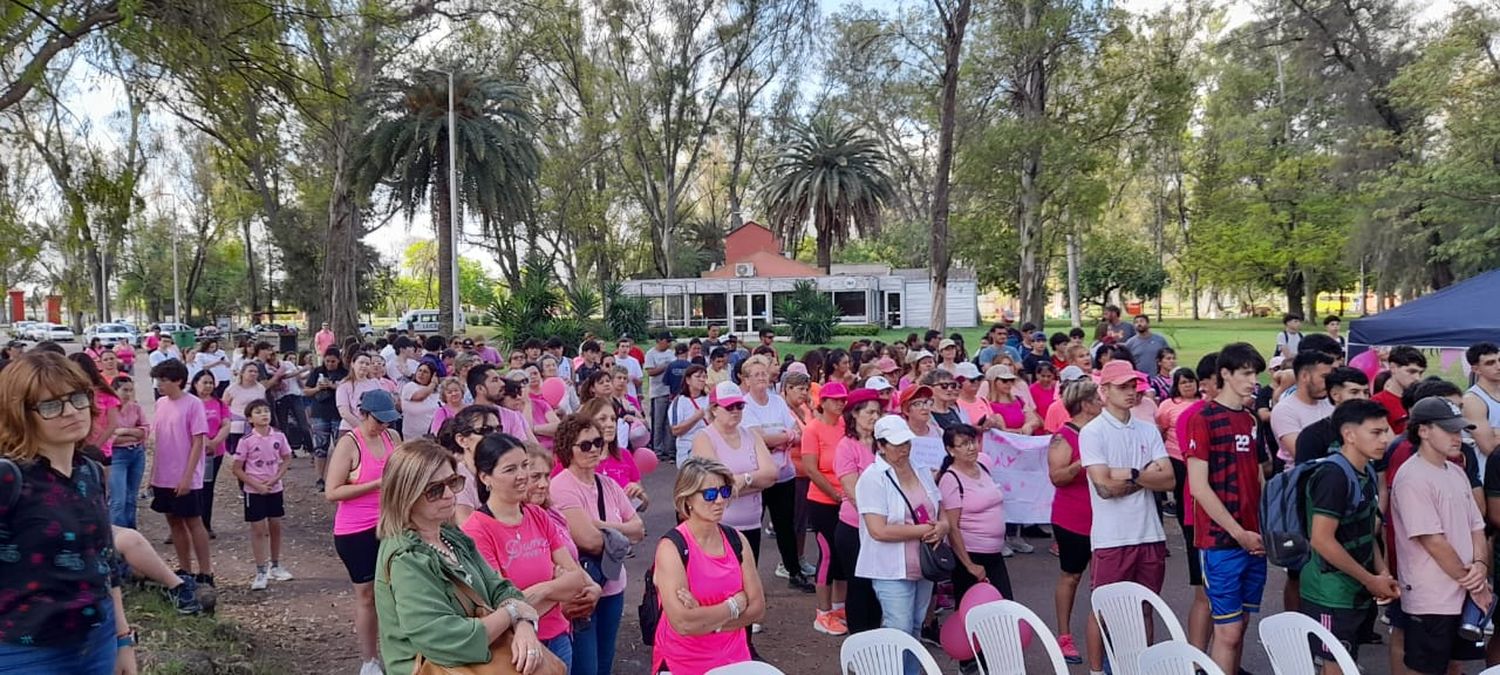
(854,454)
(460,436)
(973,506)
(109,366)
(1072,512)
(362,378)
(916,408)
(616,462)
(128,460)
(1014,413)
(1044,389)
(705,576)
(521,542)
(452,392)
(544,417)
(105,400)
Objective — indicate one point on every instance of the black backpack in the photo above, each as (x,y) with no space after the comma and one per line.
(650,610)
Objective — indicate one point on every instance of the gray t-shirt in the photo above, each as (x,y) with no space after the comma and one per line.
(1144,349)
(656,358)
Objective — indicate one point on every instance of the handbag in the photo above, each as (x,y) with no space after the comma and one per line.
(938,560)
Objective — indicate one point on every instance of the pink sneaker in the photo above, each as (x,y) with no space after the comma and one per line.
(1069,651)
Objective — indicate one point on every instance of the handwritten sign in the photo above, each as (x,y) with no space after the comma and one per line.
(1019,467)
(927,452)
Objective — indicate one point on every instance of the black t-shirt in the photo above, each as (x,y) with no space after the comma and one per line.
(1328,495)
(948,420)
(1265,440)
(1316,441)
(325,403)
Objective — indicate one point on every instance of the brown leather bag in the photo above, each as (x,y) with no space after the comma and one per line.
(500,654)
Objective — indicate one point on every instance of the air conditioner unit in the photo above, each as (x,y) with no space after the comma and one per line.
(744,269)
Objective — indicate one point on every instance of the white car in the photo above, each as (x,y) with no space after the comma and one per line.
(109,334)
(20,329)
(55,332)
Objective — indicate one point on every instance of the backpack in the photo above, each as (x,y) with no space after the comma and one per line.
(650,611)
(1283,523)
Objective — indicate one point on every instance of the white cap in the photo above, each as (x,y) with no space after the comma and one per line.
(1070,373)
(894,430)
(878,383)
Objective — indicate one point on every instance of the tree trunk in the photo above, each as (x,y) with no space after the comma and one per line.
(340,277)
(245,229)
(1294,290)
(1033,96)
(1075,313)
(954,25)
(441,224)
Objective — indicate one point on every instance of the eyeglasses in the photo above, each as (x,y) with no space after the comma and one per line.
(481,431)
(596,445)
(734,407)
(946,385)
(47,410)
(436,489)
(712,495)
(921,403)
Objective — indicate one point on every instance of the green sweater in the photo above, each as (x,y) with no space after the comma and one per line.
(418,603)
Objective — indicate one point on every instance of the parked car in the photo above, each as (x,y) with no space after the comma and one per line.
(53,331)
(108,333)
(19,329)
(365,330)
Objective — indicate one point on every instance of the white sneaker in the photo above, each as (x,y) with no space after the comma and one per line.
(259,584)
(781,571)
(1019,545)
(756,628)
(279,573)
(371,667)
(808,569)
(1005,549)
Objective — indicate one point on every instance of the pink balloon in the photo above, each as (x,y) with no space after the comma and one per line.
(553,390)
(1367,361)
(954,640)
(976,596)
(646,460)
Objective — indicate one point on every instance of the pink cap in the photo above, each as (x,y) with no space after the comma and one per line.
(1141,381)
(1117,372)
(862,395)
(834,390)
(887,364)
(727,394)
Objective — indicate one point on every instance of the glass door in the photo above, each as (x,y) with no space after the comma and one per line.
(747,311)
(892,309)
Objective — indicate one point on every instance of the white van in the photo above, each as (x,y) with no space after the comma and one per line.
(423,321)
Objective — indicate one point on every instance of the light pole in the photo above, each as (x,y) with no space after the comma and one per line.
(453,191)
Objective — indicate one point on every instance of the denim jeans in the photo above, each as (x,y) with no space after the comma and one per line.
(903,606)
(561,647)
(594,647)
(662,442)
(126,467)
(94,655)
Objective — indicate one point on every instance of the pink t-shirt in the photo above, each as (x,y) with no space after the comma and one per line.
(622,468)
(1012,414)
(570,493)
(106,401)
(1057,415)
(522,553)
(1071,508)
(711,580)
(1431,499)
(132,416)
(1042,397)
(443,414)
(348,394)
(560,523)
(976,409)
(851,457)
(539,409)
(262,456)
(982,519)
(1167,415)
(469,496)
(217,415)
(176,423)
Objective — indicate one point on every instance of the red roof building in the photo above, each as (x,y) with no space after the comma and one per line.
(753,245)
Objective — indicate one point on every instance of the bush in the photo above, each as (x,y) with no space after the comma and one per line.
(626,314)
(856,330)
(809,313)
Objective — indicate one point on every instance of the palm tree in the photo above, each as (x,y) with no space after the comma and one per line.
(833,173)
(405,147)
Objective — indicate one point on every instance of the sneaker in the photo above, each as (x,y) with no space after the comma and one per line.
(205,580)
(930,634)
(260,581)
(756,628)
(185,596)
(279,573)
(1019,545)
(808,569)
(827,624)
(371,667)
(802,583)
(319,485)
(1005,550)
(781,571)
(1053,550)
(1069,650)
(840,615)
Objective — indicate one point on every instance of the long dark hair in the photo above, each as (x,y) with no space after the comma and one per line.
(950,437)
(463,421)
(91,370)
(488,453)
(851,427)
(831,362)
(1177,377)
(586,387)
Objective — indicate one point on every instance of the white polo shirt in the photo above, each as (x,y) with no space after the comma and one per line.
(1132,444)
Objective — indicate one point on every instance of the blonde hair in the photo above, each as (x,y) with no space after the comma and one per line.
(406,476)
(27,381)
(446,383)
(690,479)
(1077,393)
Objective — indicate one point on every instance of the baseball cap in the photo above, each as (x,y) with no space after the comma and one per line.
(887,364)
(727,394)
(894,430)
(878,384)
(915,392)
(1071,373)
(379,404)
(1440,411)
(1000,371)
(913,357)
(966,371)
(1276,361)
(1117,372)
(862,395)
(797,367)
(1039,335)
(946,343)
(836,391)
(1141,381)
(665,335)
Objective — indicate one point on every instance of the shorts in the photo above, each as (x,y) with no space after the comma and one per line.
(1194,561)
(1145,564)
(1073,550)
(824,520)
(358,552)
(323,431)
(1346,624)
(1233,580)
(1432,642)
(1395,616)
(166,501)
(260,507)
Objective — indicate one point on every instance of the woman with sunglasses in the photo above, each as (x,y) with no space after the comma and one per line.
(591,504)
(706,579)
(1006,404)
(58,619)
(727,442)
(617,462)
(353,485)
(460,436)
(430,573)
(539,464)
(945,410)
(521,542)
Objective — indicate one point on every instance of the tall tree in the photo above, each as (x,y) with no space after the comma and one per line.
(954,17)
(834,175)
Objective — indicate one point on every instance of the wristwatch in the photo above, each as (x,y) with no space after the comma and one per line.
(1135,475)
(125,640)
(515,615)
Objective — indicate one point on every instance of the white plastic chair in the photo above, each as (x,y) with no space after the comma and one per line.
(1492,670)
(1176,658)
(746,668)
(1285,637)
(1118,609)
(881,652)
(994,629)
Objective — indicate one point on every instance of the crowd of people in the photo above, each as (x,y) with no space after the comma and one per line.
(484,506)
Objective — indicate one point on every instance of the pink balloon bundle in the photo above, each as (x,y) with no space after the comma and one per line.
(1368,361)
(553,390)
(954,638)
(646,460)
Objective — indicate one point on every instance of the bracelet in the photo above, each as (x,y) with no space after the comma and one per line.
(734,608)
(124,641)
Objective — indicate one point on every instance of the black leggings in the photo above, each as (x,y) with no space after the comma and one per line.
(206,495)
(781,501)
(861,608)
(994,569)
(753,538)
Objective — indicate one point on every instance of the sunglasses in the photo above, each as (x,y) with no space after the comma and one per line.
(47,410)
(734,407)
(596,445)
(946,385)
(481,431)
(712,495)
(436,489)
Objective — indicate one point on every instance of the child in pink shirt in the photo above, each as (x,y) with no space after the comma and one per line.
(260,461)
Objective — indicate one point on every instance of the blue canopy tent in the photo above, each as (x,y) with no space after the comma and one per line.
(1457,316)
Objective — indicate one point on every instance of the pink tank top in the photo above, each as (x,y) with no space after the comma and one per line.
(1071,509)
(363,512)
(711,580)
(743,512)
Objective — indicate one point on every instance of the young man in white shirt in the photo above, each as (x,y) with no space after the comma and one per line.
(1308,404)
(657,360)
(623,358)
(1125,460)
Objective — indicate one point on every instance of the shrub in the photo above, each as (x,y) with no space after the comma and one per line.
(856,330)
(626,314)
(810,313)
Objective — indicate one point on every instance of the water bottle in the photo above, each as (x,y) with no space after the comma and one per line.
(1475,622)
